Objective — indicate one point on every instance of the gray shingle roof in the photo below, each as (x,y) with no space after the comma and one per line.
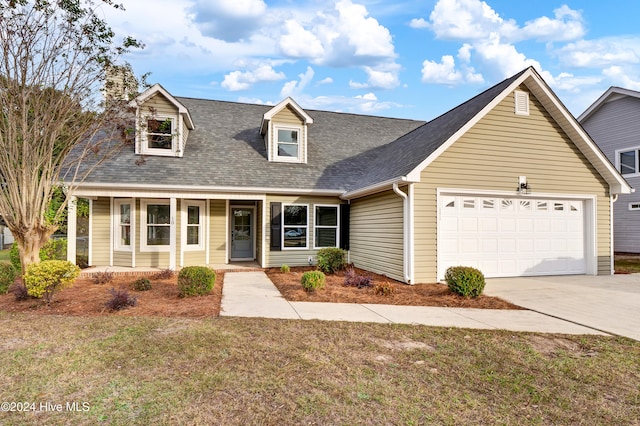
(345,151)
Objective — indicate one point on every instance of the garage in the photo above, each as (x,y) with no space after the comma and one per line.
(513,236)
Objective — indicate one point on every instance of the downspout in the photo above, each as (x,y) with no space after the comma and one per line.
(612,199)
(407,229)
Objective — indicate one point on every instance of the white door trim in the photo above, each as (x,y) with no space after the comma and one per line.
(253,231)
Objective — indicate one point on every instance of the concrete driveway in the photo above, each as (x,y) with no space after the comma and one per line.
(606,303)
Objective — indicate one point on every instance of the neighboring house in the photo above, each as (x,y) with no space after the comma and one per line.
(613,122)
(508,182)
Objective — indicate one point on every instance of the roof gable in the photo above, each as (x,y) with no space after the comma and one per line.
(612,94)
(291,104)
(157,89)
(406,158)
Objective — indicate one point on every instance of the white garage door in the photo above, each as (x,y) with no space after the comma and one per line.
(506,237)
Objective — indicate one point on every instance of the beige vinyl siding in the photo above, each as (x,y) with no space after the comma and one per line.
(293,257)
(217,232)
(287,117)
(100,231)
(160,106)
(376,242)
(122,258)
(491,156)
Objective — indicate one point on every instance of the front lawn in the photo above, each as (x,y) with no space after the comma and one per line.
(4,255)
(152,370)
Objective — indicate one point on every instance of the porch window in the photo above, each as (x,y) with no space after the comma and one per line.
(156,225)
(326,226)
(295,219)
(122,237)
(193,224)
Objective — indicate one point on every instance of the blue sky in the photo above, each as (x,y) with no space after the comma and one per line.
(407,58)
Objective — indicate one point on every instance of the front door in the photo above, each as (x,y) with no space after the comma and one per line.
(242,233)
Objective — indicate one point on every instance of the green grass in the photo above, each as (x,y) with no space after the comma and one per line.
(627,264)
(4,255)
(160,371)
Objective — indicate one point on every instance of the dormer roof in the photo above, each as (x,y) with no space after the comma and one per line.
(288,102)
(158,89)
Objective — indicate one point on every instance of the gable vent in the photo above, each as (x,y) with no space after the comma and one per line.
(522,102)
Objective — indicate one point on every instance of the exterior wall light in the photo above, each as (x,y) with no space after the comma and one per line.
(523,185)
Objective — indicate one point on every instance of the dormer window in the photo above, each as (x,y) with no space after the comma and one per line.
(284,128)
(160,134)
(162,123)
(288,140)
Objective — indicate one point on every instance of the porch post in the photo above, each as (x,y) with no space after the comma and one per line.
(71,229)
(172,234)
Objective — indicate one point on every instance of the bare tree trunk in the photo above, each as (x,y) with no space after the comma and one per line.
(30,243)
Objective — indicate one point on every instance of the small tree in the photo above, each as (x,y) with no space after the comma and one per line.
(56,57)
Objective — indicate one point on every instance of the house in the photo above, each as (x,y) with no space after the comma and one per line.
(613,122)
(508,182)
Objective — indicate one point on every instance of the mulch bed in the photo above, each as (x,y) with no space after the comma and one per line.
(85,298)
(409,295)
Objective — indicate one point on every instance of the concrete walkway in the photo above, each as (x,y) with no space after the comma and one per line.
(252,294)
(608,303)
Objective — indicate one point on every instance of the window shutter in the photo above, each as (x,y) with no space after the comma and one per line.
(276,226)
(344,226)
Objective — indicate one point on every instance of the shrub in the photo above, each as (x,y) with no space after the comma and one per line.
(332,259)
(7,276)
(285,269)
(384,289)
(312,280)
(196,281)
(165,274)
(352,279)
(14,256)
(102,277)
(465,281)
(142,284)
(52,250)
(19,291)
(44,278)
(120,299)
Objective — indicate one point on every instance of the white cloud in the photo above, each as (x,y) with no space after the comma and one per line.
(465,19)
(327,80)
(299,43)
(341,36)
(621,77)
(503,57)
(567,25)
(441,73)
(228,20)
(384,76)
(418,23)
(295,87)
(243,80)
(601,53)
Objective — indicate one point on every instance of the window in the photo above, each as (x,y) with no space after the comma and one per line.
(326,226)
(122,237)
(288,143)
(156,225)
(160,133)
(295,218)
(193,224)
(634,206)
(627,161)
